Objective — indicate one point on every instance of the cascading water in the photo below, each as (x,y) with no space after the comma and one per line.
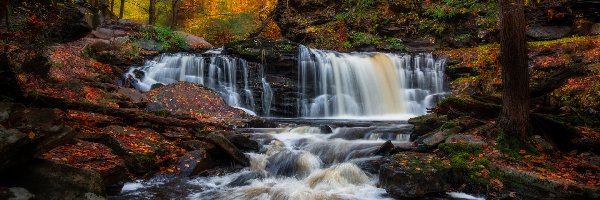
(333,84)
(213,70)
(294,163)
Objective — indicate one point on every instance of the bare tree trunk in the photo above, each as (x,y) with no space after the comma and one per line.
(121,9)
(112,6)
(514,120)
(174,10)
(152,12)
(4,13)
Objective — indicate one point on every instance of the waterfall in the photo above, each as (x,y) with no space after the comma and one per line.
(333,84)
(213,70)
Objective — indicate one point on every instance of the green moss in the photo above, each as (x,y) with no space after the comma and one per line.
(512,145)
(459,153)
(449,125)
(166,38)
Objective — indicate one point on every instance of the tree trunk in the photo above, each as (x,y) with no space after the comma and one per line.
(4,13)
(112,6)
(174,11)
(514,119)
(152,12)
(121,9)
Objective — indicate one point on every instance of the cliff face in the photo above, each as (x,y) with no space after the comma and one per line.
(417,25)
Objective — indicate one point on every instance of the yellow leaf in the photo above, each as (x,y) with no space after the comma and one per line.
(31,135)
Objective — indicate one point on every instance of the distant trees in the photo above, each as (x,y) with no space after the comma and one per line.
(514,118)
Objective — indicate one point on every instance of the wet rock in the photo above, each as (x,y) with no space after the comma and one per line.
(548,32)
(412,175)
(156,86)
(242,142)
(425,124)
(279,53)
(92,156)
(352,133)
(431,140)
(385,149)
(194,42)
(227,147)
(193,145)
(15,193)
(194,162)
(325,129)
(244,179)
(52,180)
(472,140)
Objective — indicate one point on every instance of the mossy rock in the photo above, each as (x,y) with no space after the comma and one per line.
(263,51)
(426,123)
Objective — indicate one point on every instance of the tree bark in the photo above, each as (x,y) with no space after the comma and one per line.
(112,6)
(152,12)
(4,13)
(514,120)
(174,10)
(121,9)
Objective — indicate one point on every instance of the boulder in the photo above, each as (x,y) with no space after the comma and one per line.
(194,162)
(52,180)
(15,193)
(276,54)
(227,147)
(242,142)
(385,149)
(425,124)
(133,95)
(193,145)
(194,42)
(548,32)
(413,175)
(431,140)
(92,156)
(107,34)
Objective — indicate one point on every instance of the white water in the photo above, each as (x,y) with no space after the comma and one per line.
(294,163)
(218,72)
(347,85)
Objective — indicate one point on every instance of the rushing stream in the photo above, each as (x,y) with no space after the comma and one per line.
(294,163)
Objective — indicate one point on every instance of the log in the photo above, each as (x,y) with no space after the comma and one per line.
(131,115)
(555,80)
